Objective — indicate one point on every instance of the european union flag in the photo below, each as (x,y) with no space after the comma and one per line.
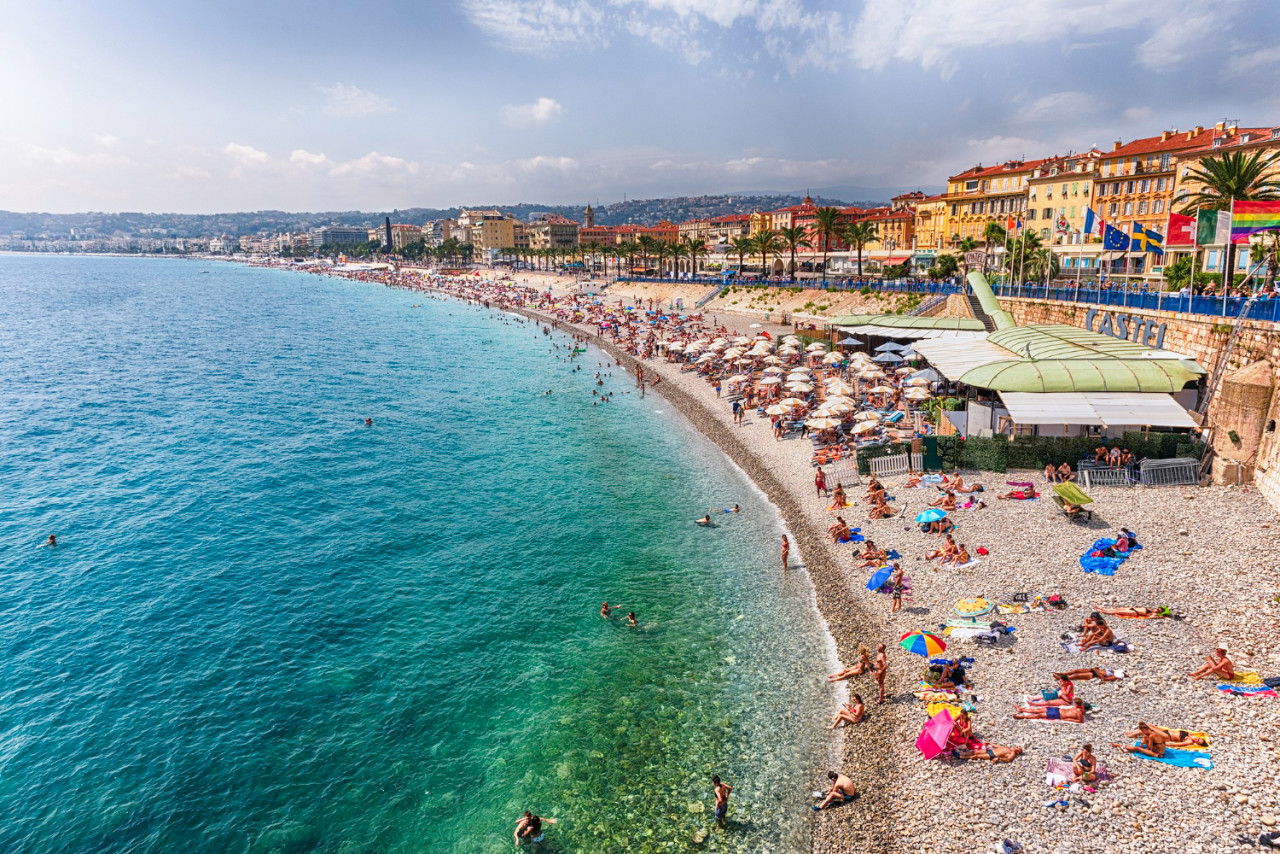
(1115,240)
(1146,240)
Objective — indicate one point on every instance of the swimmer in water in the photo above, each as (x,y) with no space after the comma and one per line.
(606,610)
(52,541)
(705,521)
(735,509)
(631,619)
(368,422)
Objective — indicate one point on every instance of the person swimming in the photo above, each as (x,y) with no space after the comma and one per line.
(631,619)
(705,521)
(368,422)
(52,541)
(733,509)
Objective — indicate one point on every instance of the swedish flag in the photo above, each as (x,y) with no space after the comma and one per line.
(1146,240)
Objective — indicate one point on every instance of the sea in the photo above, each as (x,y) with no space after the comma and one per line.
(269,627)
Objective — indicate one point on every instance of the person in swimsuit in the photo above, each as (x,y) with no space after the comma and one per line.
(1152,613)
(851,712)
(1073,713)
(52,542)
(786,550)
(368,422)
(722,791)
(1016,495)
(960,558)
(1050,473)
(1099,634)
(842,790)
(1217,664)
(840,530)
(605,610)
(947,501)
(1064,696)
(1065,474)
(705,521)
(947,551)
(863,666)
(1084,766)
(820,482)
(880,669)
(1183,738)
(992,752)
(631,619)
(895,579)
(529,828)
(1084,674)
(840,499)
(881,508)
(1153,741)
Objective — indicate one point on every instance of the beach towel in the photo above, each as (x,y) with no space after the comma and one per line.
(1176,731)
(1120,646)
(1179,758)
(938,705)
(1058,769)
(1020,607)
(972,562)
(965,632)
(1103,564)
(934,695)
(1245,677)
(1247,690)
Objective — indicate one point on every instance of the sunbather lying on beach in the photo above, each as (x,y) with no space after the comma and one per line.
(851,712)
(993,752)
(1153,613)
(913,481)
(1153,741)
(1018,494)
(947,501)
(1217,664)
(863,666)
(960,486)
(948,550)
(942,526)
(1183,738)
(1073,713)
(1064,696)
(1084,674)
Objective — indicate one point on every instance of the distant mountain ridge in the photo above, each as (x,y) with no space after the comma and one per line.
(639,211)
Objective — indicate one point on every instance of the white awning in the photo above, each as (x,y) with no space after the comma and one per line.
(1098,409)
(954,358)
(913,334)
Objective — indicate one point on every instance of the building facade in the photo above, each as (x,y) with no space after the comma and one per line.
(551,231)
(983,195)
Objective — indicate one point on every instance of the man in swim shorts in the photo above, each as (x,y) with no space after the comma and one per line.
(1153,741)
(880,669)
(992,752)
(722,791)
(842,790)
(1084,674)
(1073,713)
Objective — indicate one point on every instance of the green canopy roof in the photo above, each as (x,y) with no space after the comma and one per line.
(1092,374)
(1058,341)
(908,321)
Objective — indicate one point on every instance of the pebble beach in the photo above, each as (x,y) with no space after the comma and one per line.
(1210,554)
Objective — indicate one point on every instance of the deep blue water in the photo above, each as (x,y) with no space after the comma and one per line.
(269,628)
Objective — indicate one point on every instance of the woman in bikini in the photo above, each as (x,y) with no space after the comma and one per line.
(872,556)
(1151,613)
(1153,741)
(851,712)
(1183,738)
(947,551)
(881,508)
(960,558)
(863,666)
(839,499)
(1064,696)
(1073,713)
(1084,765)
(1084,674)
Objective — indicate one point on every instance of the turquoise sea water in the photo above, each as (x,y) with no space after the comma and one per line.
(269,628)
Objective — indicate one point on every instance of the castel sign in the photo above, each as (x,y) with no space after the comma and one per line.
(1127,327)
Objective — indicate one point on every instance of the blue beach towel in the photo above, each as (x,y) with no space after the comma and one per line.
(1247,690)
(1180,758)
(1104,565)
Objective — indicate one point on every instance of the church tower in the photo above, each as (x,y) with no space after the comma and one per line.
(588,217)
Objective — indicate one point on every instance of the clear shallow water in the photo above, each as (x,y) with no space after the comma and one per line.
(268,628)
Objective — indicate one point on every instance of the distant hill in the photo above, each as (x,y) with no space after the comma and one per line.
(35,226)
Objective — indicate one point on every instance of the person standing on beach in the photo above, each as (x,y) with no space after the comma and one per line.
(880,669)
(722,791)
(895,579)
(820,482)
(786,550)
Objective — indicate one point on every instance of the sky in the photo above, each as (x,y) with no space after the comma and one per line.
(317,105)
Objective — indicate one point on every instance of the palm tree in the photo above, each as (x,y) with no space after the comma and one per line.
(993,232)
(676,251)
(1265,252)
(648,245)
(964,247)
(826,225)
(594,249)
(794,237)
(1043,263)
(1228,178)
(858,236)
(695,248)
(742,246)
(1021,251)
(630,249)
(767,241)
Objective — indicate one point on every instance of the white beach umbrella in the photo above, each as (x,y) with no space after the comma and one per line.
(881,389)
(866,426)
(739,378)
(801,387)
(798,377)
(772,360)
(777,409)
(840,398)
(917,394)
(867,415)
(917,381)
(793,402)
(870,374)
(838,406)
(816,346)
(773,369)
(746,362)
(838,386)
(790,339)
(833,358)
(822,423)
(771,381)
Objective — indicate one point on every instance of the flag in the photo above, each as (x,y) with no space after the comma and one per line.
(1008,224)
(1093,224)
(1212,227)
(1182,230)
(1062,226)
(1147,240)
(1115,240)
(1250,218)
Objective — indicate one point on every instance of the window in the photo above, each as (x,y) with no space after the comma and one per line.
(1032,194)
(1073,211)
(1115,187)
(1130,186)
(1044,232)
(1047,213)
(1144,186)
(1113,209)
(954,209)
(1142,207)
(1064,189)
(1137,164)
(1031,214)
(1075,188)
(1128,208)
(1158,207)
(1217,143)
(1275,134)
(1164,162)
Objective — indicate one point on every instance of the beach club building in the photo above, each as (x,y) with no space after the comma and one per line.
(1043,380)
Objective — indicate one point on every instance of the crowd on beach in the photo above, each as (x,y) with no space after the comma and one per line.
(831,405)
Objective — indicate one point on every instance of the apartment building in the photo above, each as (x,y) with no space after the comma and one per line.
(402,235)
(981,195)
(1059,191)
(552,231)
(932,227)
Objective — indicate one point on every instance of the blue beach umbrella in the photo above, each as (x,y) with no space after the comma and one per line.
(878,579)
(933,514)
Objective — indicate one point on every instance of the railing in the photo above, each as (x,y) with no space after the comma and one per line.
(1266,309)
(1092,475)
(709,296)
(890,286)
(926,308)
(1179,471)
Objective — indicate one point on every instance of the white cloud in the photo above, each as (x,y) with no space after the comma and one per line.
(106,140)
(245,154)
(373,165)
(352,101)
(724,13)
(1248,62)
(1138,114)
(535,26)
(1057,106)
(995,149)
(306,158)
(541,112)
(541,163)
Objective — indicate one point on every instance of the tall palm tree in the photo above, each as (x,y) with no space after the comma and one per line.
(858,236)
(676,251)
(742,246)
(992,232)
(695,248)
(826,225)
(767,242)
(630,249)
(1228,178)
(1043,263)
(1265,251)
(647,246)
(964,247)
(794,237)
(595,250)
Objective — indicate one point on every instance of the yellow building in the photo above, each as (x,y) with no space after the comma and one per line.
(932,227)
(982,195)
(1059,191)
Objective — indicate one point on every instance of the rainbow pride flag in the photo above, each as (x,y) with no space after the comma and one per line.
(1250,218)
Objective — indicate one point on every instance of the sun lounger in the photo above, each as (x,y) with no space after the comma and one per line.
(1074,513)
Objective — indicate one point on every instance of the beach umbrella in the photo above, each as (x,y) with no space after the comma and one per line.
(739,378)
(850,340)
(742,339)
(790,339)
(777,409)
(833,359)
(823,412)
(839,405)
(816,345)
(922,643)
(867,415)
(889,345)
(800,376)
(933,514)
(933,738)
(878,578)
(755,326)
(838,386)
(921,381)
(800,387)
(793,402)
(773,369)
(881,389)
(746,361)
(917,395)
(822,423)
(866,426)
(870,374)
(909,354)
(902,371)
(928,374)
(771,381)
(839,398)
(788,351)
(888,358)
(772,360)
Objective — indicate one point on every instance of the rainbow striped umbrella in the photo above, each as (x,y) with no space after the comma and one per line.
(922,643)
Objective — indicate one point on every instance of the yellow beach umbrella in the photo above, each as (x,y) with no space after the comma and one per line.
(822,423)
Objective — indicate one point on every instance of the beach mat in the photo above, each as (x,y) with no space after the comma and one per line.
(1104,565)
(1180,758)
(1244,677)
(1247,690)
(1057,772)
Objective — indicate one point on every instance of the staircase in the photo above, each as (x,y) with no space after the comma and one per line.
(975,308)
(709,296)
(929,307)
